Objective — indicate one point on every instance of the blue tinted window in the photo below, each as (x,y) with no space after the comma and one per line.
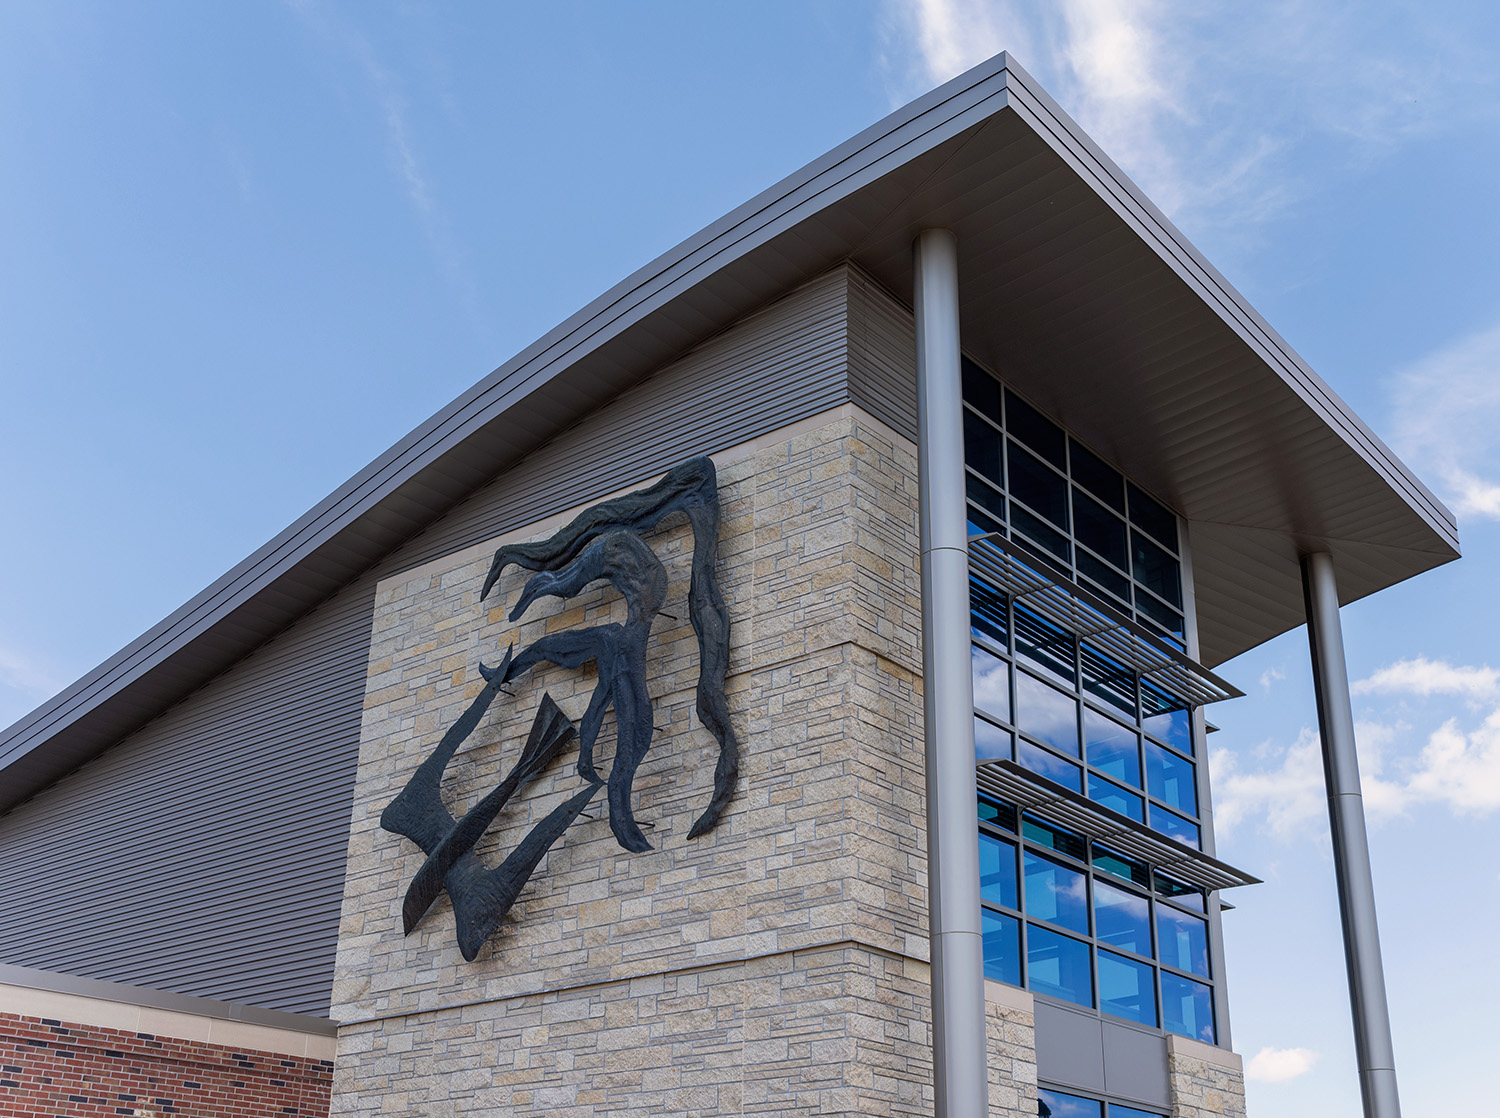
(1126,869)
(1045,834)
(991,683)
(982,448)
(1046,713)
(987,613)
(990,741)
(1058,965)
(985,496)
(980,524)
(1118,1111)
(1035,529)
(1100,530)
(1122,919)
(1182,894)
(981,391)
(997,871)
(1108,680)
(1170,778)
(1155,569)
(1097,476)
(1002,946)
(1164,616)
(1041,489)
(1166,719)
(1035,430)
(1056,893)
(1104,577)
(1153,517)
(1187,1008)
(1055,1104)
(1115,798)
(1049,765)
(1174,826)
(1127,988)
(1183,940)
(1044,646)
(997,813)
(1111,747)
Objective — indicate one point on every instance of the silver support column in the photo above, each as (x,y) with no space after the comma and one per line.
(1351,852)
(957,946)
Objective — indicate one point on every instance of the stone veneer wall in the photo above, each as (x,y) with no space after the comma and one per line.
(777,965)
(1205,1081)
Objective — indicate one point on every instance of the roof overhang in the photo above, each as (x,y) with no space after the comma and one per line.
(1074,288)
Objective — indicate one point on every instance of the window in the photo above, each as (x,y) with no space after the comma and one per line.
(1079,922)
(1072,715)
(1028,479)
(1058,1104)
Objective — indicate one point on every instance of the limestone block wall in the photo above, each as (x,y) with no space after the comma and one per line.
(775,965)
(1206,1082)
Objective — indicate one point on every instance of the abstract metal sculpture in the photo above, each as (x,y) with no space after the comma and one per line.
(601,543)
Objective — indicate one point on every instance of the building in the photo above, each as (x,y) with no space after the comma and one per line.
(205,916)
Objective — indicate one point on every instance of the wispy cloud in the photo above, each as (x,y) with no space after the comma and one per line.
(1456,767)
(1212,110)
(392,103)
(1447,409)
(1277,1065)
(24,673)
(1270,676)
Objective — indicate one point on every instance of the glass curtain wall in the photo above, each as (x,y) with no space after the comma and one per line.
(1064,917)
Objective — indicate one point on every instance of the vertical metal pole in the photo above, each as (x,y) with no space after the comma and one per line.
(957,946)
(1351,852)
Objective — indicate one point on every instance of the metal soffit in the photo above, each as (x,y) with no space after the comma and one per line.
(1036,584)
(1074,287)
(1008,781)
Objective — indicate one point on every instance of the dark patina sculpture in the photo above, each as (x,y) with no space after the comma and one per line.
(602,543)
(691,488)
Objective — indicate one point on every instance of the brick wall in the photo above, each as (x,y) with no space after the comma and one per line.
(51,1068)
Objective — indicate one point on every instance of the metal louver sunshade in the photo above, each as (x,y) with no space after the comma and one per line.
(1008,781)
(1048,592)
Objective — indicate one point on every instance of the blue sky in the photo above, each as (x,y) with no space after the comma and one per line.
(243,248)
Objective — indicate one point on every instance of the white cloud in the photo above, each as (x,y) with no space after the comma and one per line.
(1454,768)
(1214,110)
(1270,676)
(24,673)
(1447,407)
(1277,1065)
(1431,677)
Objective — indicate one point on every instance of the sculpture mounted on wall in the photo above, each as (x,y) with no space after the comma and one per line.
(604,542)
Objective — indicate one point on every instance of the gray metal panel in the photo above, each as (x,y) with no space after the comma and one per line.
(1135,1064)
(783,363)
(1069,1046)
(882,355)
(204,855)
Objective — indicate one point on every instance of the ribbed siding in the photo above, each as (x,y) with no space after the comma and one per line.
(205,853)
(882,355)
(776,366)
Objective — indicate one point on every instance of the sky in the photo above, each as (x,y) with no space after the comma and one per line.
(244,248)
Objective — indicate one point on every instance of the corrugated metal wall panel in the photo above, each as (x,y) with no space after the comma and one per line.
(882,355)
(785,362)
(204,854)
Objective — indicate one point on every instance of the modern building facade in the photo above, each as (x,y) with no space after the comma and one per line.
(205,916)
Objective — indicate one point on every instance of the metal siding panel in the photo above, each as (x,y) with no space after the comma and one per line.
(203,854)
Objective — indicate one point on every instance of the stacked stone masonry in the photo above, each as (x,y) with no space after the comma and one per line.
(60,1069)
(774,966)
